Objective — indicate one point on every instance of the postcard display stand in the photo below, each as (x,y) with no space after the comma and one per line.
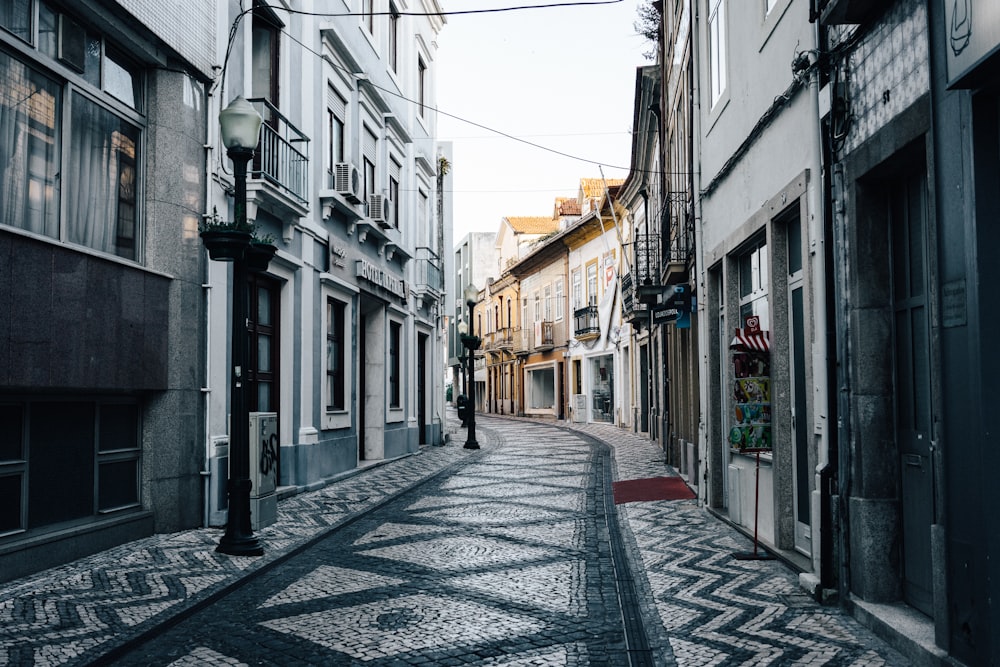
(751,425)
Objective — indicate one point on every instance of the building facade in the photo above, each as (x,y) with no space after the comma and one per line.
(347,324)
(473,262)
(762,271)
(103,122)
(912,135)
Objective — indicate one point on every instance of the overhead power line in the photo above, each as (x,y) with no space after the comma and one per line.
(387,91)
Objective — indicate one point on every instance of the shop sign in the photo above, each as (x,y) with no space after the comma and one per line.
(973,31)
(369,272)
(338,256)
(665,314)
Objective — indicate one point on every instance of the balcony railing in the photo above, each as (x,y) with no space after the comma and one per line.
(543,336)
(587,324)
(502,339)
(283,154)
(428,270)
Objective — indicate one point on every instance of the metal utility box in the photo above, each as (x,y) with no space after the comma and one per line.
(264,451)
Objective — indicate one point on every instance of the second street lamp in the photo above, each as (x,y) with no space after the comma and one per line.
(471,342)
(240,124)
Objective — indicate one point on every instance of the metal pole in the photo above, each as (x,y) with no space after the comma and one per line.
(239,539)
(470,442)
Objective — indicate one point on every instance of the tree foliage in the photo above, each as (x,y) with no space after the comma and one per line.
(649,25)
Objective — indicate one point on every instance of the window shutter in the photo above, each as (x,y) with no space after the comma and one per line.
(336,103)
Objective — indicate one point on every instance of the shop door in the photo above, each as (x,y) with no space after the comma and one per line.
(908,220)
(421,387)
(800,439)
(801,470)
(644,388)
(362,384)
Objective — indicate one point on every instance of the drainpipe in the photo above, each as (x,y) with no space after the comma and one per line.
(701,285)
(818,252)
(206,391)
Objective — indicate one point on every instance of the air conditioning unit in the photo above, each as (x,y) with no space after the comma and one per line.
(380,210)
(347,182)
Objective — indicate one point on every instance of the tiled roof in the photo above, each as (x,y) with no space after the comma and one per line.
(532,224)
(567,206)
(594,187)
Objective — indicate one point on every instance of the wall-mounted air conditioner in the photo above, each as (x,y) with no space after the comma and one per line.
(380,210)
(347,181)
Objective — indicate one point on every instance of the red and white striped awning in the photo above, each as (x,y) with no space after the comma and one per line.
(757,341)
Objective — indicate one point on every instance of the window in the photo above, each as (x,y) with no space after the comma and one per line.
(370,151)
(262,374)
(548,303)
(393,37)
(592,283)
(421,85)
(538,307)
(335,341)
(423,215)
(577,289)
(395,170)
(368,15)
(336,118)
(264,55)
(559,300)
(753,277)
(717,48)
(395,365)
(15,16)
(94,112)
(87,449)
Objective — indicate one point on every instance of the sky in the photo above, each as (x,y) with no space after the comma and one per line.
(562,78)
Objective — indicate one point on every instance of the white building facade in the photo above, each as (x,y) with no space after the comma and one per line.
(347,324)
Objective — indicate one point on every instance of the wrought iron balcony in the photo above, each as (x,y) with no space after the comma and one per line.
(679,254)
(543,338)
(633,309)
(587,323)
(282,158)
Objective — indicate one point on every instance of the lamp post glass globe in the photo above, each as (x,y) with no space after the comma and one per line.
(471,294)
(240,124)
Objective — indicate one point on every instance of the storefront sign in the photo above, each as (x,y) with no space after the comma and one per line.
(665,314)
(338,256)
(973,28)
(380,278)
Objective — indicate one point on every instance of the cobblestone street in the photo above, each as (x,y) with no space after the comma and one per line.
(512,555)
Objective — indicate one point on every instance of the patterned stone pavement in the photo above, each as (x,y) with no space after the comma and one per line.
(500,560)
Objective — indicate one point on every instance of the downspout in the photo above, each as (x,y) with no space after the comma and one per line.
(206,391)
(818,232)
(699,259)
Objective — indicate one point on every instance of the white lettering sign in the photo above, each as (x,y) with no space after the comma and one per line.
(376,276)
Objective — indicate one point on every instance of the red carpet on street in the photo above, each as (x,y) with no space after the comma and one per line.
(652,488)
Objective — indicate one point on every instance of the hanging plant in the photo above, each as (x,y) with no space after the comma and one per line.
(259,253)
(225,240)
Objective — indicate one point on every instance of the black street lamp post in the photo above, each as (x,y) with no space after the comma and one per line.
(471,342)
(240,131)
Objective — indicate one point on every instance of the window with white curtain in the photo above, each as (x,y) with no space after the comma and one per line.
(71,146)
